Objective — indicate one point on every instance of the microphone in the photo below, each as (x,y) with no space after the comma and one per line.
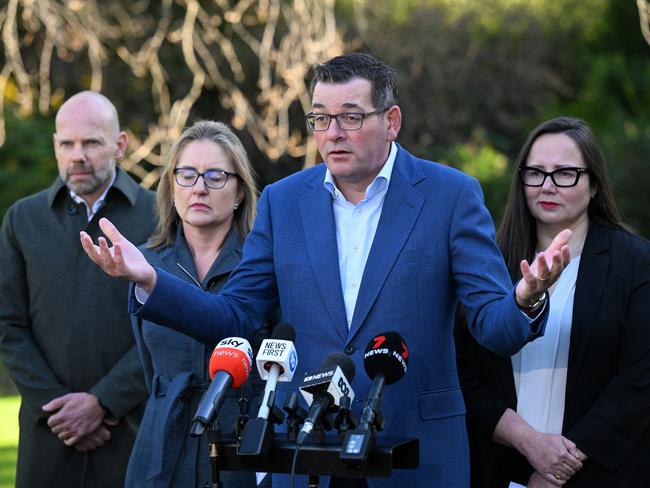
(276,361)
(324,389)
(230,365)
(385,361)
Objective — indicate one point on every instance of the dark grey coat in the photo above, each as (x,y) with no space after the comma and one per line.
(64,328)
(176,372)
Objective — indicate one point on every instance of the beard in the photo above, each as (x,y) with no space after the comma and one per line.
(98,178)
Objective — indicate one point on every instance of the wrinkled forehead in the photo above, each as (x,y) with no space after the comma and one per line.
(356,93)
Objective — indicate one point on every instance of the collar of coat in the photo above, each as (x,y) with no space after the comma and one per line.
(123,183)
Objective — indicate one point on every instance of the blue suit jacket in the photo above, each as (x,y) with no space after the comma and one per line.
(434,245)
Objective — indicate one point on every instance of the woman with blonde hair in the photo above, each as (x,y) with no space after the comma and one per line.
(206,202)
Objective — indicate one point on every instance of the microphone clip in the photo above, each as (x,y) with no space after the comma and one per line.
(345,420)
(296,416)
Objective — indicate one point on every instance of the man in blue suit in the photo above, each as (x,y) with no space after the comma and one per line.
(373,240)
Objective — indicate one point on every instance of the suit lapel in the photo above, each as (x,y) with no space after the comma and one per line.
(400,211)
(589,290)
(320,237)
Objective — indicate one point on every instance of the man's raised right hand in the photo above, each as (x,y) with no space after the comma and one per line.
(122,259)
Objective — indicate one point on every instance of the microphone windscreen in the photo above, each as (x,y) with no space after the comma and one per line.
(284,332)
(234,356)
(342,361)
(388,354)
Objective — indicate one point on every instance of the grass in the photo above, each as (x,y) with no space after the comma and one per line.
(8,440)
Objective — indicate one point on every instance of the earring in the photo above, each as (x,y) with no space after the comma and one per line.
(236,205)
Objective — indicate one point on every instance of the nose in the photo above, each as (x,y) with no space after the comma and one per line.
(199,187)
(78,153)
(334,132)
(549,186)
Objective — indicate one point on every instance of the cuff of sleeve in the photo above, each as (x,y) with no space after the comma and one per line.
(140,294)
(602,444)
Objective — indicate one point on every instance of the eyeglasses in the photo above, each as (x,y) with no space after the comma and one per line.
(346,121)
(561,177)
(213,178)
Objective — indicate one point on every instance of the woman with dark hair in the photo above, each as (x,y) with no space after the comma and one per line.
(572,407)
(206,202)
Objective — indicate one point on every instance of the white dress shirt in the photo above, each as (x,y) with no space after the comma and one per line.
(355,229)
(540,367)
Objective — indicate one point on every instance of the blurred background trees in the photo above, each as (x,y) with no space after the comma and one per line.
(475,78)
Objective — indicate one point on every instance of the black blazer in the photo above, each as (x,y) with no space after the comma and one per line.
(607,407)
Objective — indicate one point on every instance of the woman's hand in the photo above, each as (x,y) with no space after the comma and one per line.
(544,271)
(122,260)
(550,454)
(539,481)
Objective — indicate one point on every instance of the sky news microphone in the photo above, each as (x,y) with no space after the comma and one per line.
(385,361)
(324,389)
(276,361)
(230,365)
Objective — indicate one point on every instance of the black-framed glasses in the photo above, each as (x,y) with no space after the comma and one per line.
(213,178)
(561,177)
(345,120)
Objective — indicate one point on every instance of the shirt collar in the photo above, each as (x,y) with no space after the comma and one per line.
(99,203)
(380,182)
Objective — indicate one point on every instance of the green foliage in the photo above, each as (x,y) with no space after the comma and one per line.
(27,162)
(478,158)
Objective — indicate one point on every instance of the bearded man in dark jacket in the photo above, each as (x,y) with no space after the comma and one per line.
(65,335)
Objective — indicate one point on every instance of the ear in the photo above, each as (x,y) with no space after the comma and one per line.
(121,143)
(394,118)
(241,195)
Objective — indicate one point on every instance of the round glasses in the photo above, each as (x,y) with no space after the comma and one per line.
(213,178)
(346,121)
(562,177)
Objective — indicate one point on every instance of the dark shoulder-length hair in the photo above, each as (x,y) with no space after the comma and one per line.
(517,235)
(221,134)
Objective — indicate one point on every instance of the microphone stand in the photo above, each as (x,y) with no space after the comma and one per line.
(214,440)
(345,420)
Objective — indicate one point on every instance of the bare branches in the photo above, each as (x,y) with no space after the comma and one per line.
(245,58)
(644,18)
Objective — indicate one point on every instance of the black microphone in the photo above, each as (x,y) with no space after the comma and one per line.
(324,389)
(385,361)
(230,365)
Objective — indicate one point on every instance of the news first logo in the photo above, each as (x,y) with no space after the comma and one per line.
(275,348)
(280,353)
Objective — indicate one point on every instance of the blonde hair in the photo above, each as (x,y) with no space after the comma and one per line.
(221,134)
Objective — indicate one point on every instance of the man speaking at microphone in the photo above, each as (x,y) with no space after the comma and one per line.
(374,239)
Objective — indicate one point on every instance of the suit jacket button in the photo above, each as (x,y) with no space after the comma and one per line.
(349,349)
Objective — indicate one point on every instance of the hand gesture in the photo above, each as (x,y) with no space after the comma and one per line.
(545,269)
(122,260)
